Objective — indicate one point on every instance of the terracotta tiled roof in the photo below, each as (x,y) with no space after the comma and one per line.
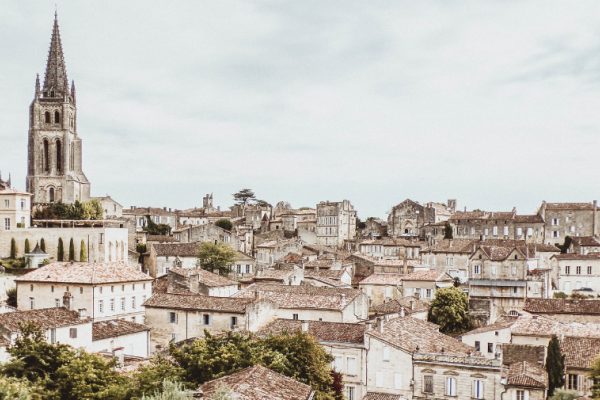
(458,246)
(470,215)
(325,273)
(528,375)
(569,206)
(44,318)
(580,352)
(160,238)
(394,306)
(325,280)
(85,273)
(501,323)
(407,333)
(512,353)
(322,331)
(562,306)
(291,258)
(382,279)
(302,296)
(198,302)
(572,256)
(176,249)
(325,264)
(426,276)
(273,274)
(116,327)
(204,276)
(586,240)
(308,252)
(529,218)
(382,396)
(528,324)
(160,285)
(260,383)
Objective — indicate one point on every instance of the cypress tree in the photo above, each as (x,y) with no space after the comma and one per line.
(555,366)
(61,250)
(13,249)
(82,253)
(43,245)
(71,250)
(448,231)
(27,248)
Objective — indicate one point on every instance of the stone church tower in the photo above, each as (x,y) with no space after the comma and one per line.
(54,167)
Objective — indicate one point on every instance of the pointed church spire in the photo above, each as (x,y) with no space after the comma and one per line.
(37,84)
(56,70)
(73,92)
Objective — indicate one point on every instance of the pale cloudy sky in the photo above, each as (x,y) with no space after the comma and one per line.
(494,103)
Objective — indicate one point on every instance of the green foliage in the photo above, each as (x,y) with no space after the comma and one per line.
(60,256)
(243,196)
(13,249)
(156,229)
(560,295)
(87,210)
(148,380)
(71,250)
(11,297)
(46,261)
(43,245)
(216,256)
(14,389)
(224,223)
(555,366)
(45,213)
(304,208)
(27,247)
(83,252)
(449,309)
(565,246)
(20,225)
(170,391)
(223,392)
(359,224)
(448,231)
(141,248)
(262,203)
(561,394)
(594,374)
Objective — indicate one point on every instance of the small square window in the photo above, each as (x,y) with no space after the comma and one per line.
(73,333)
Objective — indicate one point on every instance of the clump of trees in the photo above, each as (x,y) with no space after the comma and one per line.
(555,366)
(224,223)
(156,229)
(448,231)
(247,196)
(86,210)
(450,310)
(216,256)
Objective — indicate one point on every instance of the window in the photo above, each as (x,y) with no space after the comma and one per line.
(112,304)
(56,302)
(101,238)
(495,231)
(47,117)
(578,270)
(519,231)
(567,270)
(477,389)
(515,289)
(294,316)
(100,306)
(133,303)
(73,333)
(555,221)
(56,117)
(206,319)
(173,317)
(351,394)
(428,384)
(379,379)
(6,203)
(428,293)
(337,363)
(477,346)
(521,395)
(486,231)
(32,303)
(123,304)
(589,270)
(53,335)
(386,353)
(450,386)
(233,322)
(100,289)
(31,288)
(7,224)
(397,381)
(81,290)
(132,319)
(555,234)
(122,288)
(388,291)
(572,228)
(572,383)
(174,337)
(476,269)
(490,347)
(351,364)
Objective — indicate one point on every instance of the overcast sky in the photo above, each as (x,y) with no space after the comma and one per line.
(496,103)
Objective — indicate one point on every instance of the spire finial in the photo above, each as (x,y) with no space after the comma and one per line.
(56,81)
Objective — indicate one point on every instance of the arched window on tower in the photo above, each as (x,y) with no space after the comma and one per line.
(47,117)
(45,165)
(52,93)
(51,195)
(56,117)
(58,156)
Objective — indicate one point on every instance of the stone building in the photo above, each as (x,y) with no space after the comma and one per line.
(582,244)
(110,207)
(208,233)
(391,248)
(569,219)
(382,287)
(254,214)
(451,256)
(198,280)
(581,354)
(162,257)
(15,209)
(577,273)
(409,217)
(268,253)
(157,215)
(566,310)
(375,227)
(526,380)
(425,283)
(132,337)
(54,170)
(336,222)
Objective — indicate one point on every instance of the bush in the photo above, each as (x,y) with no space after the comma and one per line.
(71,250)
(61,250)
(27,247)
(12,297)
(560,295)
(224,223)
(170,391)
(13,249)
(43,245)
(82,253)
(561,394)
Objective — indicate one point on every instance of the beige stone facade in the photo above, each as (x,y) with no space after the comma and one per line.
(15,210)
(569,219)
(336,222)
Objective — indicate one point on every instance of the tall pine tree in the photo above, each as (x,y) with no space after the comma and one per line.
(60,256)
(71,250)
(555,366)
(82,253)
(13,249)
(43,245)
(27,248)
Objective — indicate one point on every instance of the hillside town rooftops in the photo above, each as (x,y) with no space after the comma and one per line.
(115,327)
(382,279)
(176,249)
(301,296)
(562,306)
(410,304)
(323,331)
(85,273)
(44,318)
(527,374)
(580,352)
(205,277)
(198,302)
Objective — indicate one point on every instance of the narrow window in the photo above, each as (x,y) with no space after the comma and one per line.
(73,333)
(53,335)
(206,318)
(295,316)
(47,117)
(450,386)
(32,303)
(56,117)
(56,302)
(490,347)
(386,353)
(477,389)
(100,306)
(45,165)
(173,317)
(428,384)
(477,346)
(58,156)
(51,195)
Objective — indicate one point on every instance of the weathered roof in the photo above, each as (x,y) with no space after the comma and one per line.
(452,246)
(535,325)
(562,306)
(205,277)
(430,275)
(160,238)
(302,296)
(410,304)
(291,257)
(198,302)
(569,206)
(260,383)
(469,215)
(44,318)
(573,256)
(323,331)
(176,249)
(38,250)
(325,273)
(586,240)
(512,353)
(160,284)
(273,274)
(115,327)
(528,375)
(382,279)
(501,323)
(382,396)
(408,334)
(580,352)
(85,273)
(275,243)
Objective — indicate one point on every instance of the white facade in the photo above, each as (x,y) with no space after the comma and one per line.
(15,208)
(134,344)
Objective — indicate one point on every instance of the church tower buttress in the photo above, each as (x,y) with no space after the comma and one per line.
(54,170)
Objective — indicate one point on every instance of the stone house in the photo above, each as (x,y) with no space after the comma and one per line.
(577,273)
(328,277)
(526,381)
(208,233)
(313,303)
(15,210)
(411,306)
(165,256)
(490,339)
(391,248)
(132,337)
(244,264)
(365,265)
(424,283)
(569,219)
(103,290)
(451,256)
(268,253)
(336,222)
(157,215)
(258,382)
(375,227)
(200,281)
(409,217)
(254,214)
(182,316)
(344,341)
(580,355)
(381,287)
(565,310)
(58,323)
(110,207)
(584,245)
(293,276)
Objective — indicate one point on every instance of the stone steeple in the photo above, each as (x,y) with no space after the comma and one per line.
(56,70)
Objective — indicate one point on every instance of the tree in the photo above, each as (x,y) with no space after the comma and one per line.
(14,389)
(60,256)
(13,249)
(448,231)
(170,391)
(262,203)
(223,392)
(560,295)
(449,309)
(83,252)
(224,223)
(283,206)
(156,229)
(555,366)
(43,245)
(27,248)
(304,208)
(216,256)
(594,374)
(71,250)
(561,394)
(243,196)
(148,380)
(337,386)
(11,295)
(564,248)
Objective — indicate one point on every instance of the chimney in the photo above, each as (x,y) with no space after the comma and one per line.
(120,354)
(402,311)
(380,325)
(169,209)
(67,300)
(342,298)
(305,326)
(450,243)
(164,208)
(82,313)
(412,305)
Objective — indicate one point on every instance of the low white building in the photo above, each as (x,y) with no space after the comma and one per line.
(134,338)
(163,257)
(198,280)
(15,209)
(577,273)
(106,290)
